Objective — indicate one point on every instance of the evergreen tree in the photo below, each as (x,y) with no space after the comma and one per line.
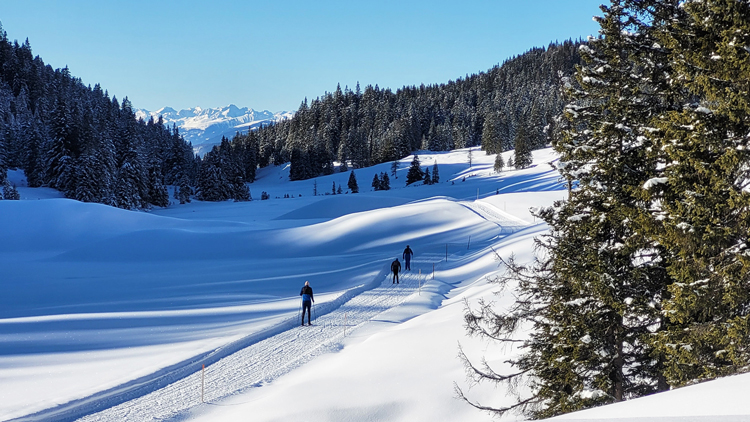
(435,174)
(490,139)
(522,151)
(333,189)
(375,182)
(594,296)
(379,125)
(415,173)
(427,178)
(352,184)
(703,211)
(240,190)
(183,191)
(499,162)
(10,191)
(385,181)
(157,191)
(394,169)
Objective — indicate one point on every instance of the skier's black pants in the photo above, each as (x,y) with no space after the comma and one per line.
(395,276)
(306,305)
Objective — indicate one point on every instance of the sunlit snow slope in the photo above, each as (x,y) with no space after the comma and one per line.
(110,315)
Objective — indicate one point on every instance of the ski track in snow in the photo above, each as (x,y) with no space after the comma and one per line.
(507,222)
(266,360)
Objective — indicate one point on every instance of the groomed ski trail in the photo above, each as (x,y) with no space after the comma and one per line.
(507,222)
(268,359)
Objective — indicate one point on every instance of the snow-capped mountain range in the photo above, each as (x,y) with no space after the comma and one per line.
(205,127)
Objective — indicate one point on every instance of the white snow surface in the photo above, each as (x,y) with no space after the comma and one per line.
(111,315)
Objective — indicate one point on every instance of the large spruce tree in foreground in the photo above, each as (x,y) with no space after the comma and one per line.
(701,199)
(592,299)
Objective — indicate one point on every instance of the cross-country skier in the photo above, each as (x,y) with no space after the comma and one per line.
(396,268)
(407,257)
(307,300)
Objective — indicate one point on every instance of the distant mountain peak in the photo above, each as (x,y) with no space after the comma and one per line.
(204,128)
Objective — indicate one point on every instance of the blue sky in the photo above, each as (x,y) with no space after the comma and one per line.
(271,55)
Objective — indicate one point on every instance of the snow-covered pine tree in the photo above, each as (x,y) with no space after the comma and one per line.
(427,178)
(499,162)
(57,154)
(33,165)
(592,299)
(490,140)
(183,191)
(10,191)
(523,146)
(240,191)
(415,173)
(385,181)
(212,185)
(157,191)
(701,198)
(352,183)
(375,182)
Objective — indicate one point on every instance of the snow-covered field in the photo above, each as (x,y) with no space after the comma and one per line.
(110,315)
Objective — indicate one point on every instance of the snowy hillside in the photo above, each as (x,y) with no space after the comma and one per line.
(111,315)
(205,127)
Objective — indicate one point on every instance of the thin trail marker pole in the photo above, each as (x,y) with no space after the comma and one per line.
(446,252)
(203,384)
(433,270)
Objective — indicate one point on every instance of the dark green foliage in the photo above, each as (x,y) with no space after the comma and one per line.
(415,173)
(594,298)
(376,182)
(74,138)
(499,162)
(435,174)
(703,217)
(645,277)
(522,145)
(184,191)
(9,191)
(385,181)
(427,178)
(374,125)
(352,183)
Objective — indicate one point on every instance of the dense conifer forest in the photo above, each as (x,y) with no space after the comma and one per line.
(76,139)
(511,105)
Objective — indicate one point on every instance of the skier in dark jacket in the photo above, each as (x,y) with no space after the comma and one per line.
(307,300)
(396,268)
(407,257)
